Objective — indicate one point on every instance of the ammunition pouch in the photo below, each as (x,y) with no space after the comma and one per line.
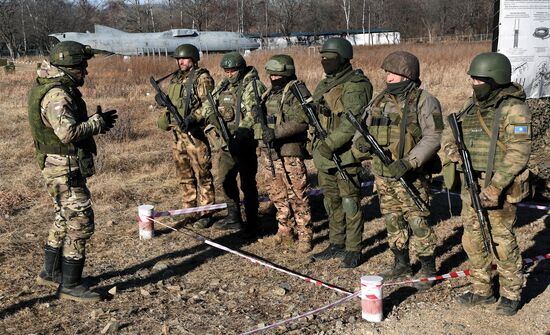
(520,188)
(214,138)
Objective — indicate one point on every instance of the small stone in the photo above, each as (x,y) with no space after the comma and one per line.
(29,235)
(215,282)
(96,313)
(110,223)
(175,288)
(144,292)
(339,324)
(112,291)
(251,290)
(352,319)
(110,327)
(279,291)
(160,266)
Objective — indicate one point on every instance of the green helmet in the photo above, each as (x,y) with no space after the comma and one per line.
(280,65)
(187,51)
(233,60)
(492,65)
(70,53)
(338,45)
(402,63)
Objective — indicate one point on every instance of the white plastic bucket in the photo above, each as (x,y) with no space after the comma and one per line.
(146,225)
(371,298)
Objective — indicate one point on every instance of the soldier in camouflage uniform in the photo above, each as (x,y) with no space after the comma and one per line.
(188,91)
(343,90)
(286,132)
(412,145)
(63,138)
(499,104)
(235,99)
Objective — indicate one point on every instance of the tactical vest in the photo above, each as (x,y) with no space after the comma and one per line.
(386,129)
(177,91)
(230,101)
(45,140)
(477,140)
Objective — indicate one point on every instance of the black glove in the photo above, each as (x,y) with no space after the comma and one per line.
(109,118)
(189,121)
(256,113)
(268,135)
(159,100)
(243,135)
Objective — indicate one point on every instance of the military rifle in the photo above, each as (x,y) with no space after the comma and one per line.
(379,152)
(471,181)
(263,122)
(163,100)
(302,94)
(221,121)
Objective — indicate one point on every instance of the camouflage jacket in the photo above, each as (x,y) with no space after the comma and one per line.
(177,92)
(287,117)
(57,113)
(348,90)
(423,127)
(232,97)
(514,133)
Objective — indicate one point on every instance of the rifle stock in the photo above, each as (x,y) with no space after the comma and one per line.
(470,179)
(314,121)
(379,152)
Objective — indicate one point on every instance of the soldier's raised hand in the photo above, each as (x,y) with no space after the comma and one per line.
(109,119)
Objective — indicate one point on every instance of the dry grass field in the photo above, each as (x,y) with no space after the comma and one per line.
(173,284)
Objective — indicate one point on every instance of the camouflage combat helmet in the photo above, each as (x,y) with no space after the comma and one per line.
(402,63)
(70,53)
(187,51)
(233,60)
(280,65)
(338,45)
(492,65)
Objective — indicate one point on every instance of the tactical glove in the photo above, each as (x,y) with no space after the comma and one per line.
(268,135)
(489,196)
(362,145)
(451,150)
(399,167)
(324,150)
(109,119)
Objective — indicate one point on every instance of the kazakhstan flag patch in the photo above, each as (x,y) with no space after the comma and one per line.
(521,130)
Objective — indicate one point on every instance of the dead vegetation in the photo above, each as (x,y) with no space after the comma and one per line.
(174,285)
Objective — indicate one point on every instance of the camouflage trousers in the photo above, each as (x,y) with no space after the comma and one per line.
(193,165)
(287,191)
(505,251)
(406,225)
(341,200)
(74,216)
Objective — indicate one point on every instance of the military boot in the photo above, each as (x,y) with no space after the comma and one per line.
(507,306)
(352,259)
(472,299)
(71,287)
(51,272)
(332,251)
(427,270)
(233,219)
(250,230)
(401,265)
(202,223)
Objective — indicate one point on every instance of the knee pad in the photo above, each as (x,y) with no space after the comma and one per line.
(350,206)
(419,227)
(394,222)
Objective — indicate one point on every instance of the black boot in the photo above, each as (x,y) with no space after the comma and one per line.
(233,219)
(472,299)
(401,265)
(427,270)
(71,287)
(507,306)
(352,259)
(250,230)
(332,251)
(51,272)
